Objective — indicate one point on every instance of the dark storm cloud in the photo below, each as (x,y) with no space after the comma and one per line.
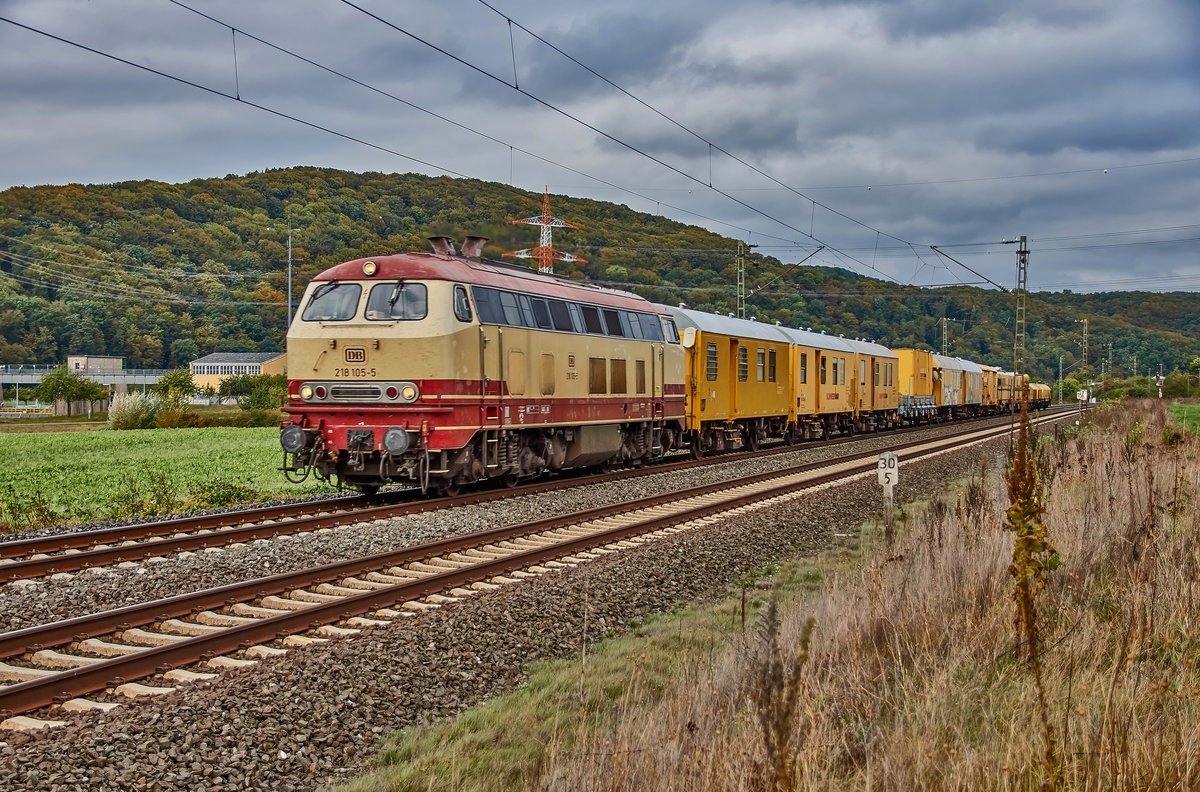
(826,93)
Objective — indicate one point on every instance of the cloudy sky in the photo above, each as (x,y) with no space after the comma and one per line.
(909,123)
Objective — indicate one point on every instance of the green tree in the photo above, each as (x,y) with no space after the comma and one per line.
(67,386)
(176,387)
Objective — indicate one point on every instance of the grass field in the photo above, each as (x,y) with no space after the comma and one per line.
(49,478)
(893,669)
(1188,415)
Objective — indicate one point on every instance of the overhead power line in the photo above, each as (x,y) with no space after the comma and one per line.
(232,97)
(606,135)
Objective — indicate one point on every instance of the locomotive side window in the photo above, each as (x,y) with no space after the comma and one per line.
(653,329)
(541,314)
(487,301)
(462,306)
(332,302)
(526,310)
(612,322)
(401,301)
(634,321)
(712,362)
(561,316)
(512,312)
(626,330)
(576,317)
(591,319)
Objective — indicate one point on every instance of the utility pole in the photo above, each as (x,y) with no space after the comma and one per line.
(289,312)
(1060,379)
(1110,368)
(741,280)
(1084,367)
(1135,365)
(1019,325)
(945,337)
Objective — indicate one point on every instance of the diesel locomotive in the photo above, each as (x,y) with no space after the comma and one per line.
(442,369)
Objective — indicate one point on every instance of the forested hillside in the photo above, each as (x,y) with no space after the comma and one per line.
(162,273)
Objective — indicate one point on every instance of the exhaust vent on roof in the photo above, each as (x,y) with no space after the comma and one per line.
(442,245)
(472,246)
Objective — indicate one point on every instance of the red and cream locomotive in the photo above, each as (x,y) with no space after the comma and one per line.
(439,369)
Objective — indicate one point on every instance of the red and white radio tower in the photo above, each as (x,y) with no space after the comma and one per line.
(545,252)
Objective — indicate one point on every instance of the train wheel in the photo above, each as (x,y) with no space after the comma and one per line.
(450,489)
(368,489)
(750,436)
(697,447)
(511,480)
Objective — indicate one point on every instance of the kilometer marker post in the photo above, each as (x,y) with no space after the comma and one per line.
(888,470)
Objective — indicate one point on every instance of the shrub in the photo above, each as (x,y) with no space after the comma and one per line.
(174,418)
(134,411)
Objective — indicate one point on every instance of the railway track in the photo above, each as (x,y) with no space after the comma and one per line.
(238,624)
(71,552)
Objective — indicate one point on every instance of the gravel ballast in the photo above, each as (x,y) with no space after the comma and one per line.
(312,717)
(33,602)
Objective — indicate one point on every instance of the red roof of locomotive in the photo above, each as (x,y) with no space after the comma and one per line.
(484,272)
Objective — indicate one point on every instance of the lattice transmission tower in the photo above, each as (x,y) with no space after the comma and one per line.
(545,253)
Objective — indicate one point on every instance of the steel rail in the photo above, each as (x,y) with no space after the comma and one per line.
(38,693)
(206,531)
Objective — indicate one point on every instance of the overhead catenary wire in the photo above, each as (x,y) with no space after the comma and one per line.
(465,127)
(606,135)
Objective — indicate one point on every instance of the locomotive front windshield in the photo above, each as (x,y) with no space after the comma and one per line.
(398,301)
(332,302)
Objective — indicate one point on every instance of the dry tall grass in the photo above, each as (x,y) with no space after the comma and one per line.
(907,673)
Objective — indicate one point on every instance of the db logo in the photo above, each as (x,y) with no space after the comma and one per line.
(356,355)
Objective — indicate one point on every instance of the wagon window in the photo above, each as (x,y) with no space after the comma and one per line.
(761,365)
(824,366)
(842,380)
(743,364)
(591,319)
(401,301)
(612,321)
(462,306)
(332,302)
(834,372)
(711,362)
(561,316)
(512,312)
(862,372)
(541,314)
(771,366)
(875,381)
(803,368)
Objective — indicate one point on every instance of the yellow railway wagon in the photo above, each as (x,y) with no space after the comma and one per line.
(991,386)
(738,378)
(823,387)
(874,394)
(958,389)
(1039,396)
(915,381)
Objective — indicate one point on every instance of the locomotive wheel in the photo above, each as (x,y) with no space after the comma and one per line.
(368,489)
(511,480)
(450,489)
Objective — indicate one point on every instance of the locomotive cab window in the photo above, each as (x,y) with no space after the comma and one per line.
(399,301)
(462,306)
(672,331)
(332,302)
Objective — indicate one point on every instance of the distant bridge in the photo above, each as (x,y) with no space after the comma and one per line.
(29,374)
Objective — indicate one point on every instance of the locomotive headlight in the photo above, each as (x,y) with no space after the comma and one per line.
(306,392)
(293,439)
(396,440)
(409,392)
(370,268)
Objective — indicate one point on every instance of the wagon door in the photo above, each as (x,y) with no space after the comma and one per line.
(491,384)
